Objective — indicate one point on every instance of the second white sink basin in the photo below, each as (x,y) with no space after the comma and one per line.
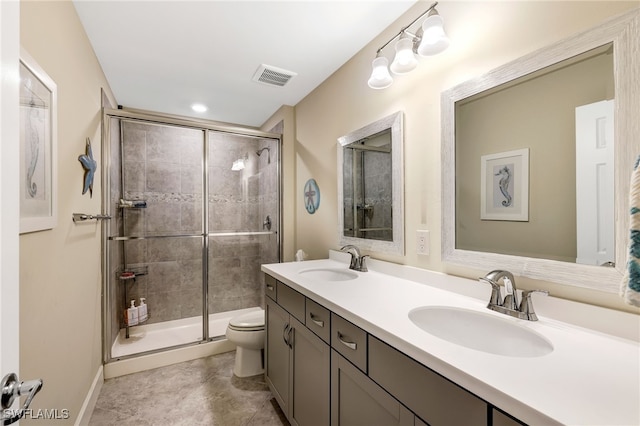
(480,331)
(329,274)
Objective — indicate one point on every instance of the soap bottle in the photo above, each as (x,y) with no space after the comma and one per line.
(132,314)
(142,311)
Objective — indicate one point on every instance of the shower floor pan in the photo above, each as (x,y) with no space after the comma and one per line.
(166,334)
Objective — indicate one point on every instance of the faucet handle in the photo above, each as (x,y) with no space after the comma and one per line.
(526,305)
(363,263)
(495,291)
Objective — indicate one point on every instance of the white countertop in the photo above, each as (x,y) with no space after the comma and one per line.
(590,378)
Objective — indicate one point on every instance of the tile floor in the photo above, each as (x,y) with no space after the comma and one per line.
(198,392)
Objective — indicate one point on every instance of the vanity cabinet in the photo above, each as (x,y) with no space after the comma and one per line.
(432,397)
(357,400)
(297,361)
(315,357)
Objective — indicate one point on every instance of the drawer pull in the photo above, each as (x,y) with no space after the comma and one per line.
(269,287)
(315,320)
(350,345)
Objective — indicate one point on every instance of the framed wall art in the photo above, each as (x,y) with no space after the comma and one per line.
(38,147)
(504,190)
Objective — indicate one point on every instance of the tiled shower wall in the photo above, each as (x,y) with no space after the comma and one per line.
(377,193)
(163,166)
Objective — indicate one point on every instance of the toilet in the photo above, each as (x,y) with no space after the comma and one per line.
(247,332)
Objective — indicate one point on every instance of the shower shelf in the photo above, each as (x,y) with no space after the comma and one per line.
(133,273)
(132,204)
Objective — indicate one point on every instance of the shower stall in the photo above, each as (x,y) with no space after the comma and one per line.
(195,210)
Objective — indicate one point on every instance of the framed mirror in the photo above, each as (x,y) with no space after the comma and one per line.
(520,192)
(370,187)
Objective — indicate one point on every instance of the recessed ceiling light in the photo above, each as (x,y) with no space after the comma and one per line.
(199,107)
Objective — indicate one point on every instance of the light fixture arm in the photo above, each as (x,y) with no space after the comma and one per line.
(404,29)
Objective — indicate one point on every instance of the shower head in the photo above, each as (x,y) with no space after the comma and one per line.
(258,152)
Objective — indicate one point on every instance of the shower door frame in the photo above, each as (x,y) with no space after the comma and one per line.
(187,122)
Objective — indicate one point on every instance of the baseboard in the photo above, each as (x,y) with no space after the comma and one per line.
(90,400)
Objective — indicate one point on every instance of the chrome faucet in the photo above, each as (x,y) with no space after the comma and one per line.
(509,304)
(358,262)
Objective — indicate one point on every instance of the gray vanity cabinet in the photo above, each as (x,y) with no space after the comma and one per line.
(297,367)
(277,352)
(357,401)
(432,397)
(315,357)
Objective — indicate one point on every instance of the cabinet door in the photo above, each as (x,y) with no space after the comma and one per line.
(357,401)
(277,352)
(310,378)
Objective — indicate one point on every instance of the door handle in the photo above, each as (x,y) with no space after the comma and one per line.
(285,334)
(12,389)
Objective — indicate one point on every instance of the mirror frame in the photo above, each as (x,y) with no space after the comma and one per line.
(393,122)
(624,33)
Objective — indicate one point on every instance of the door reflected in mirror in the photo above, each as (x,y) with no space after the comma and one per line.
(370,180)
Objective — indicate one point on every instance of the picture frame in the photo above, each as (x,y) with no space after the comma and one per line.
(504,186)
(38,147)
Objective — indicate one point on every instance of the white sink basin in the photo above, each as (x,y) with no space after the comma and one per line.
(480,331)
(329,274)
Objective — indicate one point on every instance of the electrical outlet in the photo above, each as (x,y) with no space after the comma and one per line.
(422,242)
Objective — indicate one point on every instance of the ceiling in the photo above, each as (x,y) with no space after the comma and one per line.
(164,56)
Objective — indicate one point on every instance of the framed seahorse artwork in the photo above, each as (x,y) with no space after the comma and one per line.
(38,150)
(504,186)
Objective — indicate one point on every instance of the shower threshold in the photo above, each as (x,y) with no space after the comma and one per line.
(151,337)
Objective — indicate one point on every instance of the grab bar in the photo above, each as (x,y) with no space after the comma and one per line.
(81,217)
(213,234)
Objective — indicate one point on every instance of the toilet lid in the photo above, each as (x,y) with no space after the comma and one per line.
(253,320)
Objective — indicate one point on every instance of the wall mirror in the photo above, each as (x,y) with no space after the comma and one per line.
(370,187)
(523,189)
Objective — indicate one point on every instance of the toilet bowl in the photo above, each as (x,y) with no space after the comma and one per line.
(247,332)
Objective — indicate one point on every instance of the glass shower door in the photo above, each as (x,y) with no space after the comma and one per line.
(156,240)
(243,222)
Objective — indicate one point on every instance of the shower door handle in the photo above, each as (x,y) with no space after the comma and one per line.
(12,389)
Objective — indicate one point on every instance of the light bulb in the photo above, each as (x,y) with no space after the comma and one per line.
(434,39)
(380,77)
(405,60)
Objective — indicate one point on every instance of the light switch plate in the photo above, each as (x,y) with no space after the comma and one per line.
(422,242)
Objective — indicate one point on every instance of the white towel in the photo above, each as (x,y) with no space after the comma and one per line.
(630,287)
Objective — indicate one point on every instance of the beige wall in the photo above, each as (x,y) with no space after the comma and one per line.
(60,269)
(483,36)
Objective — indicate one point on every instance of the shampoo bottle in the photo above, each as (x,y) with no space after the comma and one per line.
(142,311)
(132,314)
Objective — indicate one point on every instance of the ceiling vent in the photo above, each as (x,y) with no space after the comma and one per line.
(273,76)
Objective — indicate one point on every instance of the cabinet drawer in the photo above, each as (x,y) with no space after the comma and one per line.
(350,340)
(291,300)
(270,286)
(429,395)
(318,320)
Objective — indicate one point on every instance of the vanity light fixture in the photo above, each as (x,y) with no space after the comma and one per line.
(429,40)
(237,165)
(240,163)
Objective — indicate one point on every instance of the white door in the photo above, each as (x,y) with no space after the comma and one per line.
(595,183)
(9,174)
